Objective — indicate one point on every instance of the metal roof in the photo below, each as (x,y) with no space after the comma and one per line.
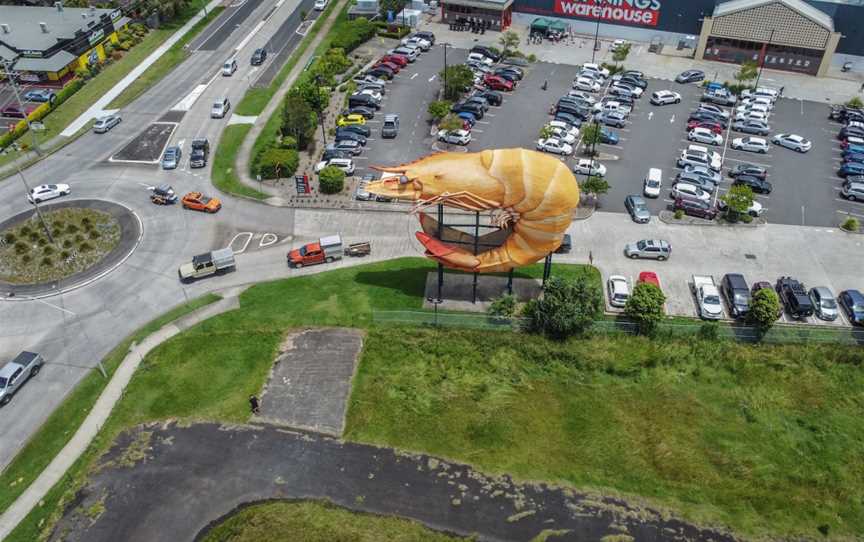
(7,53)
(488,4)
(26,34)
(54,63)
(814,14)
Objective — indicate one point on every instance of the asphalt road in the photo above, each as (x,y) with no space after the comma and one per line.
(193,476)
(76,329)
(213,40)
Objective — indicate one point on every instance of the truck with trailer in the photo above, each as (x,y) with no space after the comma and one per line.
(707,297)
(207,264)
(326,249)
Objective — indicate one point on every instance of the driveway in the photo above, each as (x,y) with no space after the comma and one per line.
(192,476)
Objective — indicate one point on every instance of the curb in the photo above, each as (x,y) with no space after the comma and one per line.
(667,217)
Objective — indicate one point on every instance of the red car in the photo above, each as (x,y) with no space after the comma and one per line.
(715,127)
(401,60)
(495,82)
(650,277)
(12,110)
(393,66)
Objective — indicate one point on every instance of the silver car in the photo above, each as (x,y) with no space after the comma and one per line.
(171,158)
(655,249)
(638,209)
(103,124)
(14,374)
(824,303)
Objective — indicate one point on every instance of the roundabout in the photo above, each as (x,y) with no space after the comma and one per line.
(74,243)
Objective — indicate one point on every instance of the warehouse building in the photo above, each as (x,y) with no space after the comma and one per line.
(47,44)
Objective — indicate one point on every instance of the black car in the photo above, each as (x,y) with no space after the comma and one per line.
(737,293)
(851,131)
(760,186)
(473,108)
(628,80)
(381,72)
(355,128)
(492,97)
(334,153)
(487,52)
(572,120)
(690,76)
(749,169)
(364,111)
(852,302)
(568,107)
(794,297)
(350,136)
(843,113)
(479,100)
(259,56)
(708,116)
(696,178)
(566,245)
(509,76)
(511,70)
(363,100)
(200,152)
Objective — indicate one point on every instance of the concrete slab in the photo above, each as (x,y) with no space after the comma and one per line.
(311,379)
(457,293)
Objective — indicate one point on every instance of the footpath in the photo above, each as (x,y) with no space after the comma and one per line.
(103,407)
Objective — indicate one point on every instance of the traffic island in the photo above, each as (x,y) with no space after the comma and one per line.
(79,241)
(668,217)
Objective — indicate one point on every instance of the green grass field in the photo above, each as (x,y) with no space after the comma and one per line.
(65,420)
(317,522)
(224,175)
(765,439)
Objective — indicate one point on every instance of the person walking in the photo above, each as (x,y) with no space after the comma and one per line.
(590,258)
(545,85)
(254,405)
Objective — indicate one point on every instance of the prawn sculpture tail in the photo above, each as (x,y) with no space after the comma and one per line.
(529,194)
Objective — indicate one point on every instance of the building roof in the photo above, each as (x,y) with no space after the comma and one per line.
(814,14)
(26,34)
(7,53)
(488,4)
(54,63)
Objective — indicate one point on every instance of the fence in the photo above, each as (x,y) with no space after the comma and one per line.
(780,333)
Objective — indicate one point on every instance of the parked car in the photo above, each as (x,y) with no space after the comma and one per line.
(40,95)
(456,137)
(714,110)
(408,52)
(587,166)
(473,108)
(418,42)
(652,182)
(359,129)
(649,248)
(707,116)
(711,125)
(638,209)
(852,302)
(694,178)
(736,292)
(555,146)
(853,188)
(345,164)
(705,172)
(762,285)
(220,108)
(792,141)
(851,168)
(44,192)
(350,136)
(586,85)
(364,100)
(350,146)
(487,52)
(690,76)
(754,210)
(687,190)
(750,144)
(14,111)
(15,373)
(380,72)
(492,97)
(517,72)
(366,112)
(608,136)
(824,303)
(258,57)
(392,66)
(103,124)
(345,120)
(794,297)
(705,135)
(751,170)
(390,128)
(171,157)
(755,183)
(611,118)
(695,207)
(619,291)
(756,127)
(719,96)
(496,82)
(330,154)
(197,201)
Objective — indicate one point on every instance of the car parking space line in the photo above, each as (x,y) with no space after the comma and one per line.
(848,212)
(744,161)
(861,203)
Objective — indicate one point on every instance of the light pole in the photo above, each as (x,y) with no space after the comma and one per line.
(10,76)
(36,205)
(596,36)
(762,56)
(445,45)
(318,108)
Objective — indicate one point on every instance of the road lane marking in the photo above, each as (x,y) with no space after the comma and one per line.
(415,75)
(248,235)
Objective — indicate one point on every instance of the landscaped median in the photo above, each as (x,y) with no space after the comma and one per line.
(764,439)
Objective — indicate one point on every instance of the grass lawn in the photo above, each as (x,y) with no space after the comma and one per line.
(224,176)
(167,62)
(765,439)
(65,420)
(317,522)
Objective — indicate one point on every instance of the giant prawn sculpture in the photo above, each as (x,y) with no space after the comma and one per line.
(531,197)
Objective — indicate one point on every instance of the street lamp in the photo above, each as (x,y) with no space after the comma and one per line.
(445,46)
(596,36)
(11,77)
(762,56)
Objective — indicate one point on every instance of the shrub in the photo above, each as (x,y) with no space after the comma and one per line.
(86,222)
(851,224)
(67,243)
(26,258)
(48,250)
(83,73)
(94,234)
(567,307)
(10,238)
(504,306)
(65,255)
(645,306)
(745,218)
(352,34)
(116,55)
(71,228)
(331,180)
(79,238)
(46,262)
(85,247)
(21,247)
(764,308)
(709,331)
(288,142)
(68,91)
(855,102)
(41,241)
(276,162)
(679,214)
(439,109)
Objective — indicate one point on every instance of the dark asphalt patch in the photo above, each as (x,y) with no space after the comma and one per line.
(148,145)
(283,42)
(165,482)
(172,116)
(225,27)
(311,380)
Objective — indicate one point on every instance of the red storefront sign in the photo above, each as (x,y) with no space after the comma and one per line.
(637,12)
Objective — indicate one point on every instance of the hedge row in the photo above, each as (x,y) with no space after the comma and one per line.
(40,113)
(353,34)
(276,162)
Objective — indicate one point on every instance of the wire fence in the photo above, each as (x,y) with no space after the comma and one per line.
(780,333)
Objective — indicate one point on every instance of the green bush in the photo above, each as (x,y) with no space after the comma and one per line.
(46,262)
(68,91)
(48,250)
(568,307)
(679,214)
(855,102)
(353,34)
(10,238)
(94,234)
(85,247)
(21,247)
(504,306)
(331,180)
(65,255)
(645,306)
(439,109)
(288,142)
(764,308)
(851,224)
(276,162)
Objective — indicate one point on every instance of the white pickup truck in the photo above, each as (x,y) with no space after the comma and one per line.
(707,297)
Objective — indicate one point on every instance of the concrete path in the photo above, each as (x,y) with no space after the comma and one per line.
(190,477)
(98,108)
(102,409)
(244,156)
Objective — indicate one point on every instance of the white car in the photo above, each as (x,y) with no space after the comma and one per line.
(320,5)
(753,107)
(705,135)
(767,102)
(44,192)
(687,190)
(586,166)
(751,115)
(456,137)
(594,76)
(483,59)
(652,183)
(792,141)
(619,290)
(563,128)
(713,156)
(750,144)
(664,97)
(345,164)
(588,85)
(596,68)
(619,44)
(419,42)
(754,210)
(369,79)
(554,145)
(632,89)
(565,136)
(582,95)
(103,124)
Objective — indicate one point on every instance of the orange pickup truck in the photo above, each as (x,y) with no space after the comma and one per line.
(326,249)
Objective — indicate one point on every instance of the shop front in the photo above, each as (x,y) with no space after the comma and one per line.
(488,14)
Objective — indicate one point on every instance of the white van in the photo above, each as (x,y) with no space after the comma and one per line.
(652,183)
(229,67)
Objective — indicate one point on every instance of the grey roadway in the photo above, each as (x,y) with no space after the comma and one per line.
(76,329)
